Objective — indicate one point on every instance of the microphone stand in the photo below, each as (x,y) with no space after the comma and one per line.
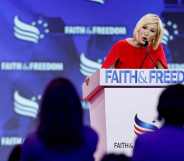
(146,55)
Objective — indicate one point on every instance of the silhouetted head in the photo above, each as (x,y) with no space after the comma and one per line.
(60,116)
(171,105)
(115,157)
(15,153)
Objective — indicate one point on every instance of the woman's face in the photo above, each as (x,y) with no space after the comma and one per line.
(147,33)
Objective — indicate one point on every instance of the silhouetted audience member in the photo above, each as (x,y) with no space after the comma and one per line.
(15,153)
(166,143)
(61,135)
(115,157)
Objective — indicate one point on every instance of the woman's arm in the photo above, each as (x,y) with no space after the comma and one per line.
(112,56)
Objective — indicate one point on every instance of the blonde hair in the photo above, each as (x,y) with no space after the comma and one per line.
(150,18)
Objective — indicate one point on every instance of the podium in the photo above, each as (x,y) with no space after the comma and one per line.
(122,105)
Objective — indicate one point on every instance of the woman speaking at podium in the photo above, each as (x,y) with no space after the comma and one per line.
(143,50)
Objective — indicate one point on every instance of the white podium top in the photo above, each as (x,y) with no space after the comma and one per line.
(140,77)
(130,78)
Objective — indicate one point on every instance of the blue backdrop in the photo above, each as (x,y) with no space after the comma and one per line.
(40,40)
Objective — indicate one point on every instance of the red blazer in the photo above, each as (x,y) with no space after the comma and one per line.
(124,55)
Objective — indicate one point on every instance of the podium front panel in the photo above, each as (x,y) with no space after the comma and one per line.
(123,106)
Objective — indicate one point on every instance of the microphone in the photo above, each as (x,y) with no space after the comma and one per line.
(145,42)
(147,54)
